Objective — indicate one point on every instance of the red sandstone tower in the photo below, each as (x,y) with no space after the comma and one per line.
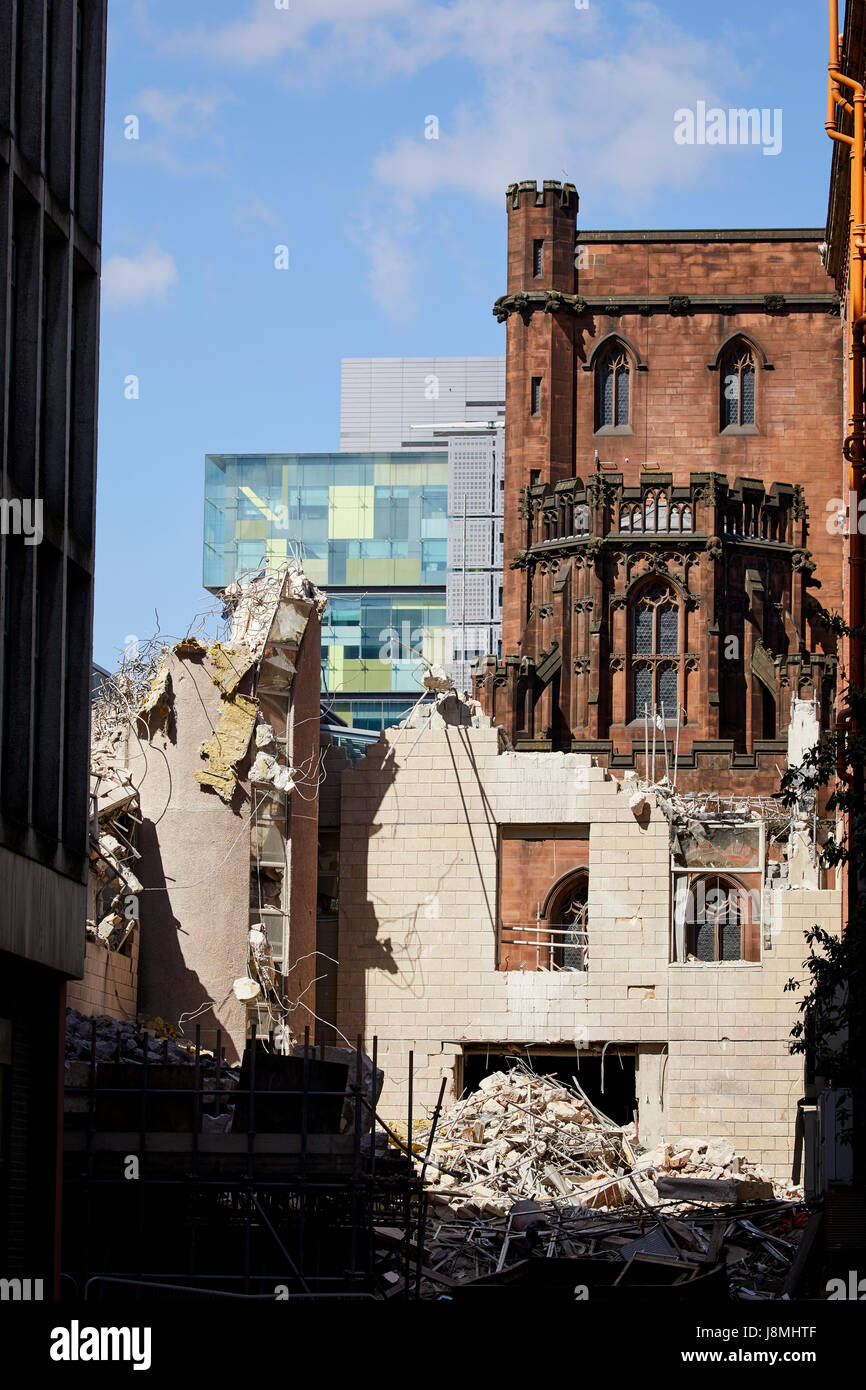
(673,434)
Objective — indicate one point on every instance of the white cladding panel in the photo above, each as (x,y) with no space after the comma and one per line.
(383,397)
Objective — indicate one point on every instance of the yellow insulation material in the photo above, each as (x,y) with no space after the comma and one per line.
(231,663)
(228,744)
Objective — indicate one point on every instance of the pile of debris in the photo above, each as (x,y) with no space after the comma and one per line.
(521,1135)
(123,1040)
(526,1167)
(524,1135)
(749,1251)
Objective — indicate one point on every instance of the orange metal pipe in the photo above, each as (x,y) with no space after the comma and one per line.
(854,442)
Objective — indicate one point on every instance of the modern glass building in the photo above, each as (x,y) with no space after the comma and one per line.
(371,529)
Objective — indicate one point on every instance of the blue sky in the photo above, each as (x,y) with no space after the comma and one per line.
(261,126)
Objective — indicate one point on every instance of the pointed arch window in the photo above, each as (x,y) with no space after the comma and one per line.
(568,925)
(655,652)
(612,399)
(738,386)
(721,914)
(681,517)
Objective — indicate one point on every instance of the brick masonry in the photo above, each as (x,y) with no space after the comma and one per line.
(673,299)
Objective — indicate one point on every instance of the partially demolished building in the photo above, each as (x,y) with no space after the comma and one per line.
(222,758)
(589,867)
(497,904)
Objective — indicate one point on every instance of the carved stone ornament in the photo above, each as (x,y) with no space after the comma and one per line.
(800,510)
(715,548)
(595,489)
(679,304)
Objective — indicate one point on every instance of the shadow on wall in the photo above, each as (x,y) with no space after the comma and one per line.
(167,987)
(372,934)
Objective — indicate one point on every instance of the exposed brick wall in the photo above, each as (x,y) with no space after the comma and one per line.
(418,955)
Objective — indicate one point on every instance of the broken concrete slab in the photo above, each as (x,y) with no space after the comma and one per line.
(712,1189)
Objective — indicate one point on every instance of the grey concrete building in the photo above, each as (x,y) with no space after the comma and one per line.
(52,92)
(391,403)
(456,404)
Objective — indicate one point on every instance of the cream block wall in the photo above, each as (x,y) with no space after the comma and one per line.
(109,986)
(417,945)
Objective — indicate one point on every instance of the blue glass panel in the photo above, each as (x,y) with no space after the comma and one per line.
(748,391)
(731,397)
(643,631)
(705,940)
(606,396)
(731,933)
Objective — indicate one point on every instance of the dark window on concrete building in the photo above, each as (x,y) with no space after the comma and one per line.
(568,925)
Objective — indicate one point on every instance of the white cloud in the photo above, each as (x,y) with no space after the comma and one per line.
(268,35)
(552,92)
(253,213)
(391,272)
(183,115)
(137,279)
(173,128)
(547,110)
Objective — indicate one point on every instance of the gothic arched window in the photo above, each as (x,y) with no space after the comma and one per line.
(656,510)
(655,652)
(737,372)
(718,914)
(568,925)
(612,406)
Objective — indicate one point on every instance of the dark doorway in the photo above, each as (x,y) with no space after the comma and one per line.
(618,1100)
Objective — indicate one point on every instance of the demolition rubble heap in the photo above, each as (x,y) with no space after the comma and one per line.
(524,1135)
(124,1040)
(526,1166)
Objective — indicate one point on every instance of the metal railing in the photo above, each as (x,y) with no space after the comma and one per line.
(557,945)
(292,1191)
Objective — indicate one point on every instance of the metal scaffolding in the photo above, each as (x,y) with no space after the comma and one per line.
(165,1198)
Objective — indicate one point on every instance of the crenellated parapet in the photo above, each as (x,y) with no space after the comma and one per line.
(564,517)
(686,598)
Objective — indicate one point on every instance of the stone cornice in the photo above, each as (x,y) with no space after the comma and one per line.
(526,302)
(631,540)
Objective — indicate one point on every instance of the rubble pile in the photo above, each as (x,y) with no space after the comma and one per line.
(749,1249)
(526,1167)
(522,1135)
(124,1040)
(708,1158)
